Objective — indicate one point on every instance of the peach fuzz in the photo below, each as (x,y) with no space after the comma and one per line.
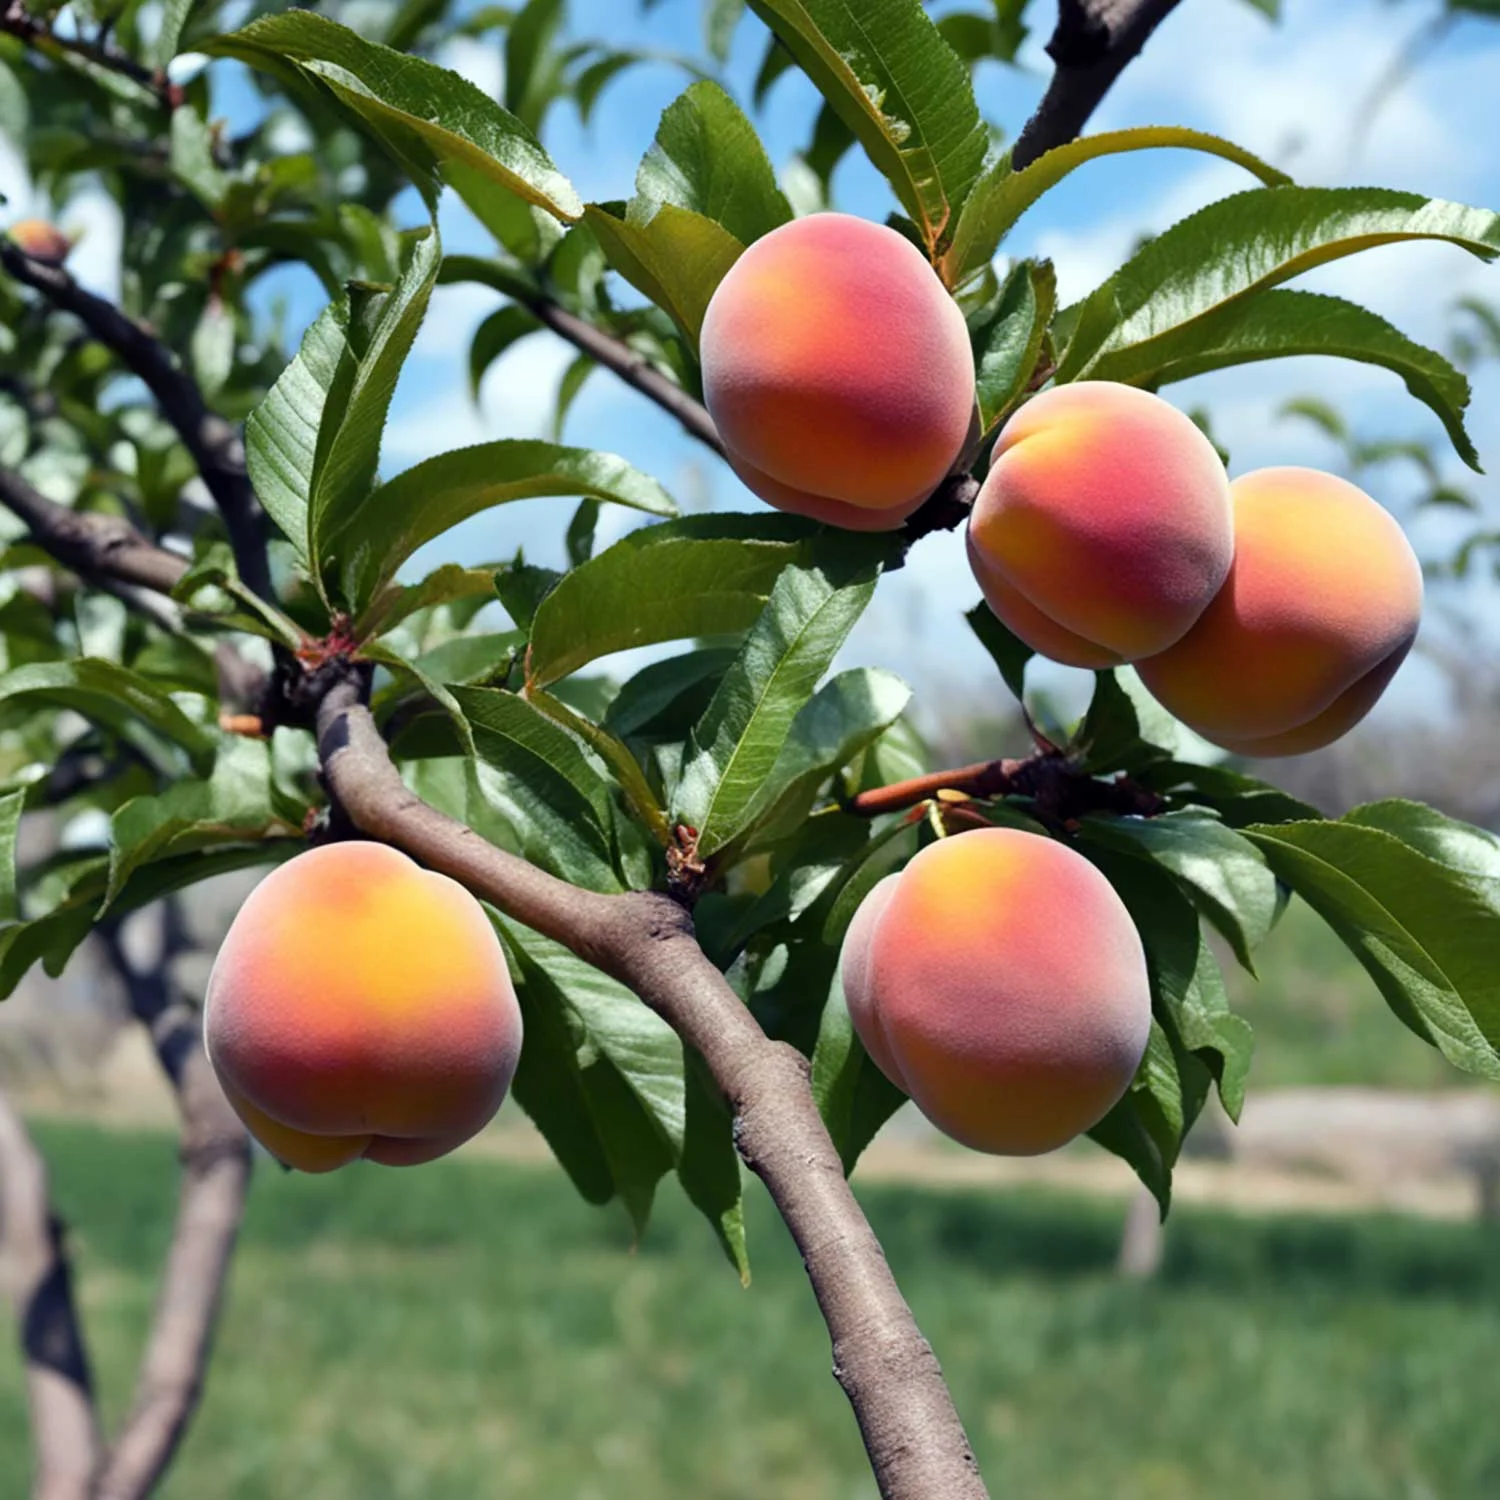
(1000,982)
(1320,609)
(360,1006)
(838,371)
(1103,529)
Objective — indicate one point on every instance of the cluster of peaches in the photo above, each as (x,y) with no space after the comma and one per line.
(998,980)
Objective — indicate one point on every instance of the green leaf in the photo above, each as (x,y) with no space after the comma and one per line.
(720,19)
(1237,799)
(1008,334)
(885,69)
(1281,323)
(440,118)
(854,1097)
(1245,244)
(1009,652)
(549,792)
(174,17)
(505,326)
(114,698)
(11,808)
(1187,989)
(665,699)
(600,1075)
(677,260)
(1425,930)
(707,158)
(736,744)
(212,348)
(841,719)
(425,501)
(701,576)
(1461,847)
(191,154)
(234,805)
(1225,874)
(448,583)
(1003,195)
(1126,728)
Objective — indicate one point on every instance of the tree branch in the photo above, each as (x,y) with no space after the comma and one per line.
(215,1177)
(913,1434)
(16,22)
(1094,42)
(59,1386)
(215,445)
(634,369)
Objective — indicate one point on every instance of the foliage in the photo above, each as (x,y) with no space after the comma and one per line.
(724,769)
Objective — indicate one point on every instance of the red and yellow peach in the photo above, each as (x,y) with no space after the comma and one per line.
(360,1006)
(1319,610)
(838,371)
(1103,529)
(999,981)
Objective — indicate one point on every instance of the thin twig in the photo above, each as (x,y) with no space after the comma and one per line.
(59,1387)
(215,444)
(912,1432)
(633,368)
(17,22)
(1094,42)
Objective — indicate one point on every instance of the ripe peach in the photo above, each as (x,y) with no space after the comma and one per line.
(1319,610)
(1104,526)
(360,1007)
(40,240)
(838,371)
(999,981)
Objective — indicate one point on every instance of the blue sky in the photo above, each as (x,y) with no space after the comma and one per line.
(1289,91)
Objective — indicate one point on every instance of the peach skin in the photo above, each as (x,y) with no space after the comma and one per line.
(838,371)
(1103,528)
(1320,609)
(1000,982)
(360,1006)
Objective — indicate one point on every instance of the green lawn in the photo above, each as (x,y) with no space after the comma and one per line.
(469,1330)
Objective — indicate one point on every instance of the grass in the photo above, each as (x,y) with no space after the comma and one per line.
(1319,1020)
(471,1329)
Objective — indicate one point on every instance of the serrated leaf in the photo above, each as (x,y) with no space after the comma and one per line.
(11,808)
(736,744)
(1007,335)
(1225,874)
(438,114)
(114,698)
(1280,323)
(1008,651)
(704,575)
(1247,243)
(233,805)
(841,719)
(1002,195)
(677,259)
(1425,931)
(550,793)
(606,1082)
(505,326)
(425,501)
(885,69)
(707,158)
(854,1097)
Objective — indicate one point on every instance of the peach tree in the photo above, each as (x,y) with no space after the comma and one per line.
(218,651)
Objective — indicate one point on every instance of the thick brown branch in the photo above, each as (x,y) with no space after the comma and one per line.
(211,1202)
(915,1440)
(1094,42)
(64,1420)
(633,368)
(15,21)
(215,444)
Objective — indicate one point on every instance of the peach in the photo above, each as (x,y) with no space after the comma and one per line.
(360,1007)
(1104,527)
(838,371)
(1000,982)
(1319,610)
